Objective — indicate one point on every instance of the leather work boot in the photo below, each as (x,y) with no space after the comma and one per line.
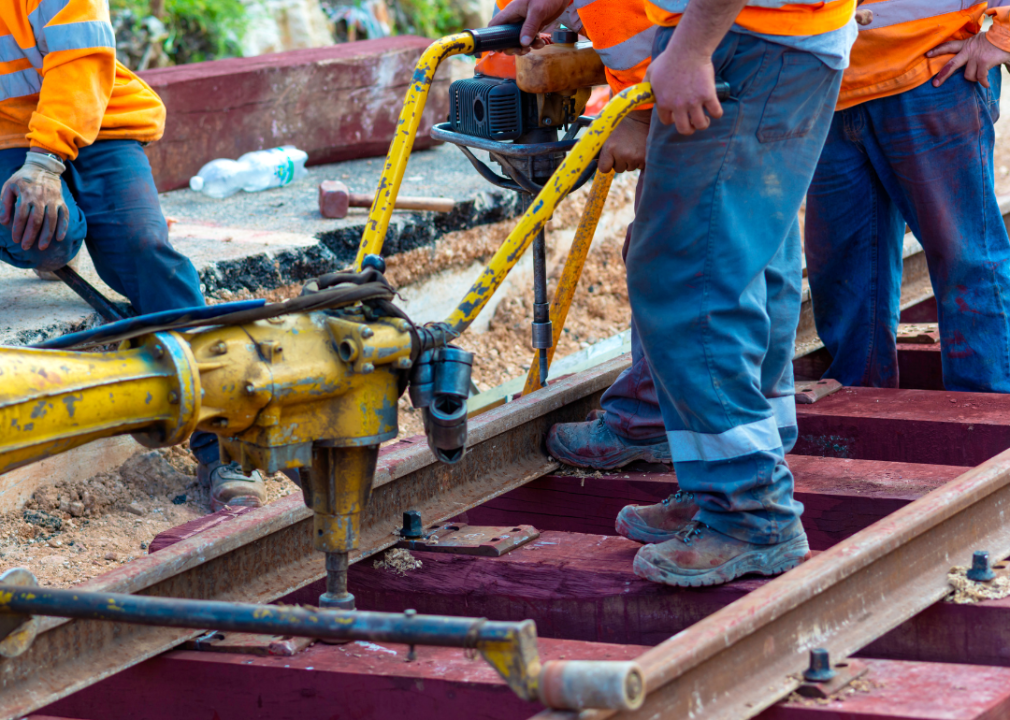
(593,444)
(657,523)
(228,485)
(701,556)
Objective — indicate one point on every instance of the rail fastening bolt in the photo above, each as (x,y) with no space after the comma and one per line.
(820,669)
(980,570)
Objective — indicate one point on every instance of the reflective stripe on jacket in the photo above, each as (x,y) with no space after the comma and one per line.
(61,87)
(769,17)
(889,56)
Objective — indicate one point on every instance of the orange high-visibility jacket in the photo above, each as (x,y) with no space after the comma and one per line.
(622,36)
(890,55)
(61,87)
(769,17)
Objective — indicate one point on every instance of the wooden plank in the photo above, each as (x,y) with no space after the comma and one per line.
(336,103)
(582,587)
(919,691)
(371,680)
(357,680)
(919,426)
(840,496)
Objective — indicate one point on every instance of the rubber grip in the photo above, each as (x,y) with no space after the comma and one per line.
(722,90)
(499,37)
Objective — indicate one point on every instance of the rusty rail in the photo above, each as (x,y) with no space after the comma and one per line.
(747,656)
(268,553)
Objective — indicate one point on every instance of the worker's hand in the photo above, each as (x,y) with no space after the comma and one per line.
(683,81)
(33,199)
(535,15)
(625,148)
(976,55)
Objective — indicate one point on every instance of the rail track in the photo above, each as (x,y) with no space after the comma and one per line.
(899,485)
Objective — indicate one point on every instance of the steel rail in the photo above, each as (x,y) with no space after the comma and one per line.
(747,656)
(267,553)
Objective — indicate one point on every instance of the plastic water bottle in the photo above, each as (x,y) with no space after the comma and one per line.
(253,172)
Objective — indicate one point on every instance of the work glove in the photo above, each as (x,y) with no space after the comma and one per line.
(32,199)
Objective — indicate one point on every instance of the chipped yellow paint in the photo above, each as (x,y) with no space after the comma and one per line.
(543,206)
(403,141)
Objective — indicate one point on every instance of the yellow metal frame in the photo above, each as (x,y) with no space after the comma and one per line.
(403,142)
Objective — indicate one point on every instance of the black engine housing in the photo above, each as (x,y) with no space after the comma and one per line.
(491,108)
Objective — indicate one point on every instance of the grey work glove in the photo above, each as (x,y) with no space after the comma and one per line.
(32,199)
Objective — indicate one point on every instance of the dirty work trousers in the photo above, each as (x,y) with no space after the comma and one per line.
(924,157)
(109,191)
(631,402)
(714,276)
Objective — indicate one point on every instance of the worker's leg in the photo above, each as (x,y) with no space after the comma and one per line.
(854,235)
(713,257)
(938,145)
(127,234)
(128,241)
(664,520)
(57,254)
(632,425)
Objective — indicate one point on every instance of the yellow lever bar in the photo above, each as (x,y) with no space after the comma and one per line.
(403,141)
(543,206)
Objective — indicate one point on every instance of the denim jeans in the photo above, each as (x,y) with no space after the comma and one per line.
(714,277)
(924,157)
(113,203)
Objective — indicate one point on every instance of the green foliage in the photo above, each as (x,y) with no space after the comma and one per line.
(180,31)
(428,18)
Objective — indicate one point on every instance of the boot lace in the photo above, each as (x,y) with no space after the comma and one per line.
(679,497)
(691,530)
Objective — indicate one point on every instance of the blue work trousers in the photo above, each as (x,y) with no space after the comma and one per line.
(714,277)
(924,157)
(113,203)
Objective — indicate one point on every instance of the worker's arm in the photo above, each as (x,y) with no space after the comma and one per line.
(683,77)
(978,54)
(78,71)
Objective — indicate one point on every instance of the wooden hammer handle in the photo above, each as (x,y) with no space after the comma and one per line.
(406,203)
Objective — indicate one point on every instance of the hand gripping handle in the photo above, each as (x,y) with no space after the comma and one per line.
(499,37)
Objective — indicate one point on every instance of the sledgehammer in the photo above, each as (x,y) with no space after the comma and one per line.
(335,199)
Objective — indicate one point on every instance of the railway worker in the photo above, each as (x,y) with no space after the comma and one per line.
(912,142)
(72,124)
(716,294)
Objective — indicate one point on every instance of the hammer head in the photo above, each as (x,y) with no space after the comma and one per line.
(334,199)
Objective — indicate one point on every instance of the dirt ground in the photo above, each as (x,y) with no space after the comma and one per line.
(84,527)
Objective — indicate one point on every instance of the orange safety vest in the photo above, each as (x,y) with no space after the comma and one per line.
(771,17)
(621,34)
(61,87)
(889,56)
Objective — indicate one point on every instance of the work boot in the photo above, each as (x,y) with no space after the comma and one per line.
(228,485)
(593,444)
(699,555)
(657,523)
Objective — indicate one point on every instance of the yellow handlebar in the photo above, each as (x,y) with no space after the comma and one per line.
(403,141)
